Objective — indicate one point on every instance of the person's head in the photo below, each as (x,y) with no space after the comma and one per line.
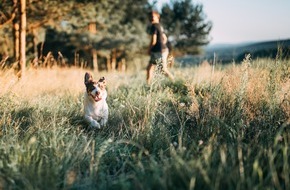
(154,16)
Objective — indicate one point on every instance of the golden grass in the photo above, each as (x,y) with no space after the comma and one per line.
(71,80)
(210,123)
(37,82)
(53,81)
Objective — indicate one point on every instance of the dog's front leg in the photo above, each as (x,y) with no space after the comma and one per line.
(103,121)
(93,123)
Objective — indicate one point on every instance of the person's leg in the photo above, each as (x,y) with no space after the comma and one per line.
(155,58)
(164,65)
(167,73)
(150,69)
(164,57)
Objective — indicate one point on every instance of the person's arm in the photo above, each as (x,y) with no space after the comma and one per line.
(164,38)
(152,42)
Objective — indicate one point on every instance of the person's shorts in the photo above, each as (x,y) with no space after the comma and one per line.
(155,58)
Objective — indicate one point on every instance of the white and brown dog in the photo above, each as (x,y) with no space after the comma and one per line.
(96,109)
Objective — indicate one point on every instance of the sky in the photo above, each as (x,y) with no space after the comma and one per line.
(239,21)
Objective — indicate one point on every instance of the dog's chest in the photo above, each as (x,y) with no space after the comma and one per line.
(95,108)
(98,107)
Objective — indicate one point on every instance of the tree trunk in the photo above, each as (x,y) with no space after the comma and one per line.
(93,29)
(122,65)
(108,63)
(16,32)
(22,42)
(35,49)
(77,60)
(95,60)
(114,59)
(16,39)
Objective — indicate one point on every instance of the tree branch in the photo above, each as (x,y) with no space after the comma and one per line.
(12,16)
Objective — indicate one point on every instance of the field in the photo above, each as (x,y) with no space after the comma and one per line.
(222,127)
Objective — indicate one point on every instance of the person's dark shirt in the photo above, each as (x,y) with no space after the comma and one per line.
(159,46)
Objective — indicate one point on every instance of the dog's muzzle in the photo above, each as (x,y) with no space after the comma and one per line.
(96,97)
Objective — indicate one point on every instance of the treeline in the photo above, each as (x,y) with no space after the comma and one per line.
(267,49)
(100,34)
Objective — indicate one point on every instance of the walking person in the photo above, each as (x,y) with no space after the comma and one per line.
(157,48)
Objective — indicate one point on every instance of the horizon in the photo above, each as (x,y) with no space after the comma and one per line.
(245,42)
(245,21)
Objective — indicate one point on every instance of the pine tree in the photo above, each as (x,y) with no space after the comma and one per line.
(186,26)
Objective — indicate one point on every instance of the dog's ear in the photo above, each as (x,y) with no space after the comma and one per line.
(88,78)
(102,79)
(102,83)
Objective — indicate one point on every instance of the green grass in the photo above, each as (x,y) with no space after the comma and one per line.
(223,130)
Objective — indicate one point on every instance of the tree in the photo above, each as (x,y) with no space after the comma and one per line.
(7,11)
(15,11)
(106,28)
(22,41)
(116,26)
(186,26)
(27,17)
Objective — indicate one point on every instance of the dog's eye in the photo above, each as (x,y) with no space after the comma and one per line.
(91,88)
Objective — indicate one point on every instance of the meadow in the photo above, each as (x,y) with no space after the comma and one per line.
(221,127)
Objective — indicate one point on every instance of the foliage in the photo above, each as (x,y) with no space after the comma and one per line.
(227,129)
(186,25)
(115,24)
(119,26)
(42,13)
(7,11)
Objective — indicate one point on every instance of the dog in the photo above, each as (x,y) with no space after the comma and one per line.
(96,109)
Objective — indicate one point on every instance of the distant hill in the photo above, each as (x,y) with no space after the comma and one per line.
(229,52)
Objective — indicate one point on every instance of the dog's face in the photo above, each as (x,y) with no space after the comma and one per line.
(95,88)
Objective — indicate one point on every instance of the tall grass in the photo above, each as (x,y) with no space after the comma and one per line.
(227,129)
